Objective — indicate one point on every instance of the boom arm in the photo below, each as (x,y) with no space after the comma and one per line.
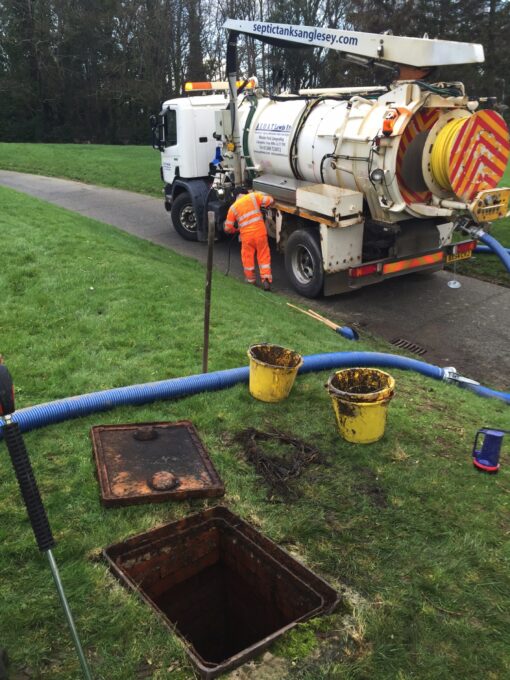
(381,48)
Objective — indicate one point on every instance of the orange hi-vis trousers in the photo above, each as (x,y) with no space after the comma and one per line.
(246,212)
(251,245)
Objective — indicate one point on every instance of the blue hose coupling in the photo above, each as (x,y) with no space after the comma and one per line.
(347,332)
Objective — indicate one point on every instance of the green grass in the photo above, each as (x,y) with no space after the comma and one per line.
(136,168)
(417,537)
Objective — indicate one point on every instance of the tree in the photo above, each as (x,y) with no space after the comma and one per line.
(94,70)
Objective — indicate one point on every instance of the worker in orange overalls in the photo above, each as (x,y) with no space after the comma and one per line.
(252,230)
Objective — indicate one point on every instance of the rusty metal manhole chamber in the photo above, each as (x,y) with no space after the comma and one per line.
(152,462)
(224,588)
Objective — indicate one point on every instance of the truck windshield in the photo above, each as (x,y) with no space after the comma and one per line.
(171,127)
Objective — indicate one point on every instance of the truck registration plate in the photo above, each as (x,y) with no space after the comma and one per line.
(459,256)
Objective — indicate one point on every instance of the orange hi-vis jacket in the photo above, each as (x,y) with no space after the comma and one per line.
(246,212)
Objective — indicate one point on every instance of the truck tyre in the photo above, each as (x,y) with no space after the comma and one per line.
(303,263)
(184,218)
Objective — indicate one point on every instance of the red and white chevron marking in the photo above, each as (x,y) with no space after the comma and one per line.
(479,154)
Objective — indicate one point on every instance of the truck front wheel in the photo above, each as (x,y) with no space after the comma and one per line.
(184,218)
(303,263)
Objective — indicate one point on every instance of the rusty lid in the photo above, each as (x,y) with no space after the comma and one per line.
(152,462)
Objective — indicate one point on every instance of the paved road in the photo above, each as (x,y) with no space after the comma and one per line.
(468,327)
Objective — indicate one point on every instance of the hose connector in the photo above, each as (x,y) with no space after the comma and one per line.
(467,226)
(450,375)
(477,232)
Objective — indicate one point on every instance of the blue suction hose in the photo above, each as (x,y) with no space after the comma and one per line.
(485,250)
(324,362)
(34,417)
(496,247)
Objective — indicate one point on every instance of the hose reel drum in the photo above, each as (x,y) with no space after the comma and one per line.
(461,155)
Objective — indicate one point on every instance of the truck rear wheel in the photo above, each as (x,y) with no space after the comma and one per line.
(184,217)
(303,263)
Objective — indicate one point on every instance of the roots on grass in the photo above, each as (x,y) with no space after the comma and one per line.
(279,470)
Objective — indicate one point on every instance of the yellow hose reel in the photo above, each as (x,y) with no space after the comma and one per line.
(442,151)
(470,154)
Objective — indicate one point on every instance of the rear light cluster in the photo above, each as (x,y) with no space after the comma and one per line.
(465,247)
(364,270)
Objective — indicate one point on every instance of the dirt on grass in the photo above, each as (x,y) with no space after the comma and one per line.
(280,468)
(368,485)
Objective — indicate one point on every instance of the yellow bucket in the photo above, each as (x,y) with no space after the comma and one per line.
(273,370)
(360,398)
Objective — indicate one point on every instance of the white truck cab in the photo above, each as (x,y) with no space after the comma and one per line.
(188,145)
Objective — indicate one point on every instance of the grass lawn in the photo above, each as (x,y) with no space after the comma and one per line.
(417,537)
(136,168)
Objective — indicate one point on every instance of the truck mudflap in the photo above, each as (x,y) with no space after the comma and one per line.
(369,273)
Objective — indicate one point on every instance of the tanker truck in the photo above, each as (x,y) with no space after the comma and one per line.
(369,182)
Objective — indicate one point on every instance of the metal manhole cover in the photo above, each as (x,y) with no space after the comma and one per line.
(152,462)
(412,347)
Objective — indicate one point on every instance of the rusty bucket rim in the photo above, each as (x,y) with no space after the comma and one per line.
(367,398)
(265,363)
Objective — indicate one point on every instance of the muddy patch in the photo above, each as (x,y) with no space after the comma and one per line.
(280,459)
(270,667)
(368,484)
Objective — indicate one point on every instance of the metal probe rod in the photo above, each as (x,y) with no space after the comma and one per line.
(32,498)
(70,621)
(208,287)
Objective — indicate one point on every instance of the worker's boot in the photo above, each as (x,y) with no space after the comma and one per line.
(266,284)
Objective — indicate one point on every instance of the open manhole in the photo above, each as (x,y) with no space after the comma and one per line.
(152,462)
(224,588)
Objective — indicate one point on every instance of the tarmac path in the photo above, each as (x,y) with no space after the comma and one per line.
(468,327)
